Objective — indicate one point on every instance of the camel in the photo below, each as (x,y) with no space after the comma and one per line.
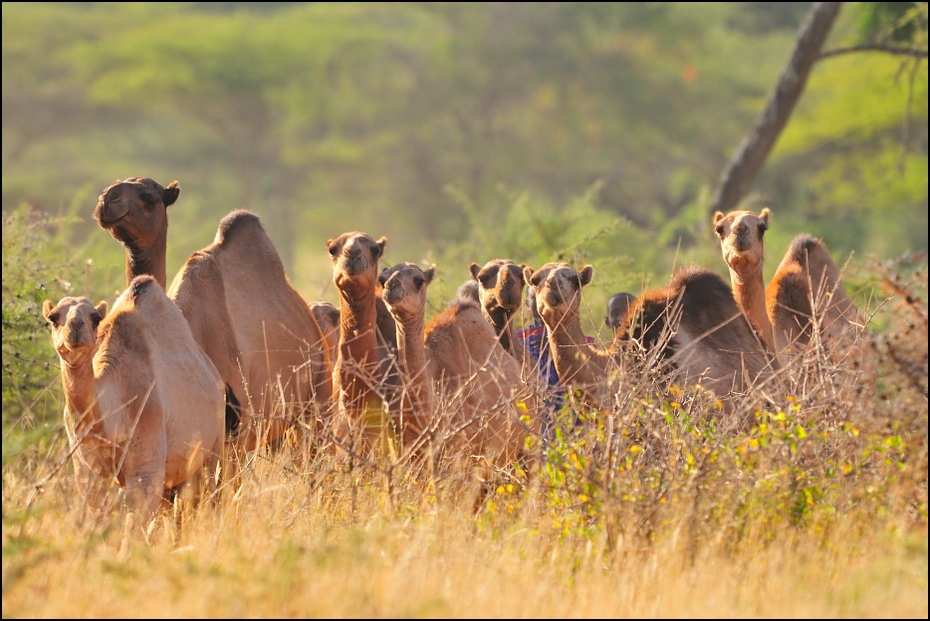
(362,384)
(741,234)
(458,358)
(241,308)
(805,296)
(500,294)
(327,317)
(692,324)
(143,404)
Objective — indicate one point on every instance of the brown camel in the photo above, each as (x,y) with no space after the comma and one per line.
(695,327)
(241,308)
(327,317)
(457,360)
(805,296)
(143,404)
(692,325)
(362,384)
(500,294)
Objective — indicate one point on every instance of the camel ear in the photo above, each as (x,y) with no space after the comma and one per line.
(429,273)
(47,307)
(718,216)
(171,193)
(764,215)
(585,275)
(101,309)
(474,268)
(527,273)
(381,243)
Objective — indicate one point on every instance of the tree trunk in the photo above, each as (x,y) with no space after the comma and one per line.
(746,164)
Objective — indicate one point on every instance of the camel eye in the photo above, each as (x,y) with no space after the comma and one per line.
(53,318)
(418,282)
(762,229)
(332,251)
(719,230)
(96,319)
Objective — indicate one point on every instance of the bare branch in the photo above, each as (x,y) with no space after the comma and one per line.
(745,165)
(875,47)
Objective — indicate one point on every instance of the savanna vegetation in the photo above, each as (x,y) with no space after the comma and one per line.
(593,133)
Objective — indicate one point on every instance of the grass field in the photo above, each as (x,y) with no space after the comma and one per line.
(651,508)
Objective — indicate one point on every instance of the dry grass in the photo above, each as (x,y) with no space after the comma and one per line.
(653,508)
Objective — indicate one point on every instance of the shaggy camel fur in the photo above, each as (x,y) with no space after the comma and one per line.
(362,375)
(143,404)
(469,369)
(805,297)
(692,325)
(241,308)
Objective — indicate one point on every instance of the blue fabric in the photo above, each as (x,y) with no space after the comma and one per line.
(535,340)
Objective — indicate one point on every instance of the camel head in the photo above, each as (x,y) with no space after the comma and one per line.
(500,287)
(558,289)
(404,290)
(740,234)
(135,210)
(355,260)
(327,315)
(74,324)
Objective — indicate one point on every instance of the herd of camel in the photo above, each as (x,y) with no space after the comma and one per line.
(171,378)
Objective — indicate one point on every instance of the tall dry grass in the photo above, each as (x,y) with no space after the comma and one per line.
(655,507)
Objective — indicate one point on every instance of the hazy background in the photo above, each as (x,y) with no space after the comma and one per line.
(589,132)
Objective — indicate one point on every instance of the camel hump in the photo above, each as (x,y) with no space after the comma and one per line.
(237,223)
(701,287)
(467,292)
(810,252)
(706,301)
(141,285)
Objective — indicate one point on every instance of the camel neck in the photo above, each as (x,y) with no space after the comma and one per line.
(81,396)
(148,259)
(576,360)
(412,360)
(357,322)
(410,345)
(749,292)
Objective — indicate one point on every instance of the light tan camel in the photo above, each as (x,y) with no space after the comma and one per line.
(362,384)
(741,234)
(692,326)
(143,404)
(457,361)
(404,293)
(805,297)
(241,308)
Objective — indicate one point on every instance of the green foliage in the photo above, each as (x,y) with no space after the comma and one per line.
(32,273)
(894,22)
